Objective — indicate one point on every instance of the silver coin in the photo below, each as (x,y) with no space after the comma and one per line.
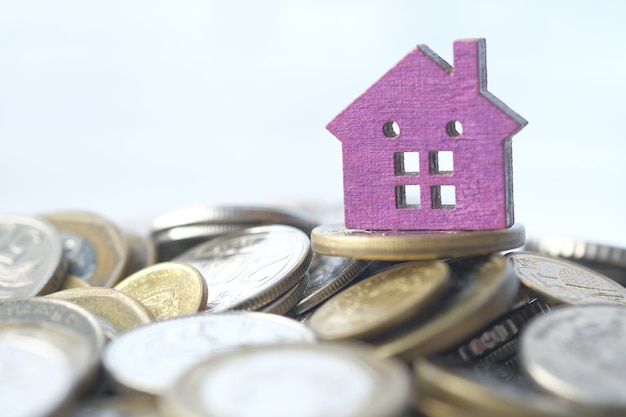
(577,352)
(250,268)
(576,249)
(150,358)
(31,257)
(170,243)
(328,275)
(563,282)
(315,380)
(288,300)
(250,216)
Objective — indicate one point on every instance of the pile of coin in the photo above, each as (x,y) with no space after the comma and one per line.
(260,311)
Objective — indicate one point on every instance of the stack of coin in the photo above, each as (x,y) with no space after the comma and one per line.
(380,323)
(177,231)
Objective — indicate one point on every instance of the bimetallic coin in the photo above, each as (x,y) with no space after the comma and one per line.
(328,275)
(49,350)
(248,269)
(407,245)
(316,380)
(31,257)
(381,302)
(115,311)
(482,291)
(96,248)
(168,289)
(560,281)
(577,352)
(150,358)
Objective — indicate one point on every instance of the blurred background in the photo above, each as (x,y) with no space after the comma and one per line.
(137,107)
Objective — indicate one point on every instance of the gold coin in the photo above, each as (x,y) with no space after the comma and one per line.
(485,290)
(405,245)
(380,302)
(168,289)
(96,248)
(116,312)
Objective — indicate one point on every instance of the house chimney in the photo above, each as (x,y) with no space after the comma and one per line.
(470,60)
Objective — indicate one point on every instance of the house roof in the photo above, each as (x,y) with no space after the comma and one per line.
(423,88)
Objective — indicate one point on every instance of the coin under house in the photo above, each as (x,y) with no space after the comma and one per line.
(407,245)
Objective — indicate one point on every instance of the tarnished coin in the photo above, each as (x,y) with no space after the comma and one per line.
(328,275)
(381,302)
(168,289)
(560,281)
(482,291)
(150,358)
(406,245)
(115,311)
(316,380)
(487,390)
(49,350)
(95,247)
(31,257)
(500,332)
(248,269)
(577,352)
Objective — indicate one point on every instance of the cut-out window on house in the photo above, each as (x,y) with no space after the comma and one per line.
(408,196)
(443,196)
(391,129)
(441,162)
(454,128)
(406,163)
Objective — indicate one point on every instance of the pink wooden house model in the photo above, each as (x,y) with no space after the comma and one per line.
(427,147)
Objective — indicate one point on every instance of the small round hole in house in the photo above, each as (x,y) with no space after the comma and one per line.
(454,128)
(391,129)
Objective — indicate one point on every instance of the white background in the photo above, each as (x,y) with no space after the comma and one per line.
(132,108)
